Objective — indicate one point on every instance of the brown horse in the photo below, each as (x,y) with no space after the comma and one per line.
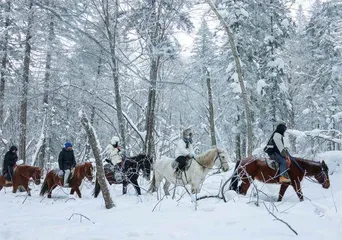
(52,180)
(21,176)
(254,168)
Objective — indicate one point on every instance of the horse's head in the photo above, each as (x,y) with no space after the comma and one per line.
(88,170)
(145,164)
(223,163)
(37,175)
(323,176)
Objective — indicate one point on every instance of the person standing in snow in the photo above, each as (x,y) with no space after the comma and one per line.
(66,161)
(184,151)
(277,151)
(9,163)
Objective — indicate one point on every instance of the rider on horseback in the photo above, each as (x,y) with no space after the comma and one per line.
(10,160)
(66,161)
(277,151)
(112,156)
(184,151)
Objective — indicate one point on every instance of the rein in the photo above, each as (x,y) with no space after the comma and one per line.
(310,179)
(27,176)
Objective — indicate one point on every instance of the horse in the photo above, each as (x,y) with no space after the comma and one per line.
(21,176)
(130,168)
(193,175)
(52,180)
(254,168)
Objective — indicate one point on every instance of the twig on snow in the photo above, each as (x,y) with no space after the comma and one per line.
(81,216)
(288,225)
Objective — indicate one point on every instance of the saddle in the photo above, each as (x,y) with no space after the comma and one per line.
(60,174)
(272,164)
(178,171)
(114,171)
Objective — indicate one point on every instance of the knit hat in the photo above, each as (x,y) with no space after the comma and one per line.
(67,144)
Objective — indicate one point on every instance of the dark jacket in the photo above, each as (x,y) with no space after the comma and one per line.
(66,159)
(271,148)
(10,159)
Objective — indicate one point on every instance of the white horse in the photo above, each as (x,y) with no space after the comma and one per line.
(194,175)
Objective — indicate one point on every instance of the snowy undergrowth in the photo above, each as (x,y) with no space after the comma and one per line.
(318,217)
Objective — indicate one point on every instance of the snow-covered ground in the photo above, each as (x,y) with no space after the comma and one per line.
(318,217)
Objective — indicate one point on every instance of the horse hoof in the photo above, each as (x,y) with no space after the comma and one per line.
(49,196)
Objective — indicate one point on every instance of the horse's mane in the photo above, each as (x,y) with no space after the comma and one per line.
(206,158)
(308,163)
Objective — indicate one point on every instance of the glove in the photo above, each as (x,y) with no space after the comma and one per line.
(284,152)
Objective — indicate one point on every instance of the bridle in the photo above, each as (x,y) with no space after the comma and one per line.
(217,156)
(85,172)
(34,177)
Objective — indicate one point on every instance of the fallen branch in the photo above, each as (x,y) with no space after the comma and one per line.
(288,225)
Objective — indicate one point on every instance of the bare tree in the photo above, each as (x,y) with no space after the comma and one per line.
(45,150)
(240,77)
(100,175)
(4,61)
(25,83)
(211,109)
(155,34)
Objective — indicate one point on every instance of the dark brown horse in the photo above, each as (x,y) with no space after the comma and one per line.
(254,168)
(131,167)
(21,176)
(52,180)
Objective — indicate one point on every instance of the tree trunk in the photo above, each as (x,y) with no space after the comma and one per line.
(211,110)
(4,61)
(153,37)
(24,90)
(112,35)
(240,78)
(238,141)
(100,175)
(150,117)
(45,151)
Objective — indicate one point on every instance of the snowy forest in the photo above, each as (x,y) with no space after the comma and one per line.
(145,70)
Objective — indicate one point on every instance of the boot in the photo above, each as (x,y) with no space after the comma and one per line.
(283,179)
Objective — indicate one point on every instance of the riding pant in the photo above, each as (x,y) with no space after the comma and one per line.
(282,163)
(66,176)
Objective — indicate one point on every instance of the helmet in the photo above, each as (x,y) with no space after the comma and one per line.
(114,140)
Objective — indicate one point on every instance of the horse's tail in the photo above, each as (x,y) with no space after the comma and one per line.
(97,189)
(44,188)
(152,187)
(235,181)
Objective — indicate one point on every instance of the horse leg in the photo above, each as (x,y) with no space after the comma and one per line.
(72,191)
(50,190)
(134,181)
(166,187)
(15,188)
(78,192)
(282,191)
(124,187)
(25,185)
(243,188)
(297,188)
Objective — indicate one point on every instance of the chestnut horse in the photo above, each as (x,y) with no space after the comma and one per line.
(254,168)
(52,180)
(21,176)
